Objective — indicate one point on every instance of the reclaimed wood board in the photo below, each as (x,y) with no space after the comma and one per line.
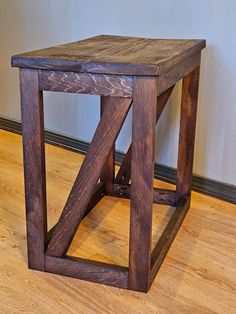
(107,54)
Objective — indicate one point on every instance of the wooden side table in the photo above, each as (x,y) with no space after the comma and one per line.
(125,71)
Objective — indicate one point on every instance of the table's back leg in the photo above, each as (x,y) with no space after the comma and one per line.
(187,133)
(34,167)
(142,170)
(108,172)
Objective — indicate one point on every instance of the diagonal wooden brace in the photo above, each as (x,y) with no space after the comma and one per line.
(124,173)
(81,193)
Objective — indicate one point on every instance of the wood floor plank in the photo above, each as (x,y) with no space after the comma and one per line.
(197,276)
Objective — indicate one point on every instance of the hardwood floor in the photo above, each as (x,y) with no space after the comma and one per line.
(198,274)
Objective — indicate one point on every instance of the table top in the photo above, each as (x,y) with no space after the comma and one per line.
(110,54)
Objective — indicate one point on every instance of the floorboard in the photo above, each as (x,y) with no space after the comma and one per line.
(198,275)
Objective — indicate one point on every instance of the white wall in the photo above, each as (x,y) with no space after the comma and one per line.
(26,25)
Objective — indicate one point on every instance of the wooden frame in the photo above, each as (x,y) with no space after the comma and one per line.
(148,95)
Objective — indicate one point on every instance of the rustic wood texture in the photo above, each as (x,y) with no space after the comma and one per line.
(142,171)
(124,174)
(178,72)
(73,212)
(85,83)
(99,272)
(160,196)
(199,267)
(107,54)
(108,171)
(187,133)
(34,160)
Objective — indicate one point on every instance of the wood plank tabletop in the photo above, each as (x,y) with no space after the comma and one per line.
(110,54)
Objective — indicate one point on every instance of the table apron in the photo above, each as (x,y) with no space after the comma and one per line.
(86,83)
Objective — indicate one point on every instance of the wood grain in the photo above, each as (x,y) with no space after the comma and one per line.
(75,207)
(108,171)
(142,172)
(107,54)
(85,83)
(199,267)
(172,76)
(187,133)
(88,270)
(34,159)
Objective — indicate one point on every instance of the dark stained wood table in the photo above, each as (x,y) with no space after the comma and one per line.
(125,71)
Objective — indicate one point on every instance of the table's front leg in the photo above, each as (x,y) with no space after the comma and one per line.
(142,170)
(34,167)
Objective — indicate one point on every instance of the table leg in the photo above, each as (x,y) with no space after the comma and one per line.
(34,167)
(187,133)
(142,171)
(108,172)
